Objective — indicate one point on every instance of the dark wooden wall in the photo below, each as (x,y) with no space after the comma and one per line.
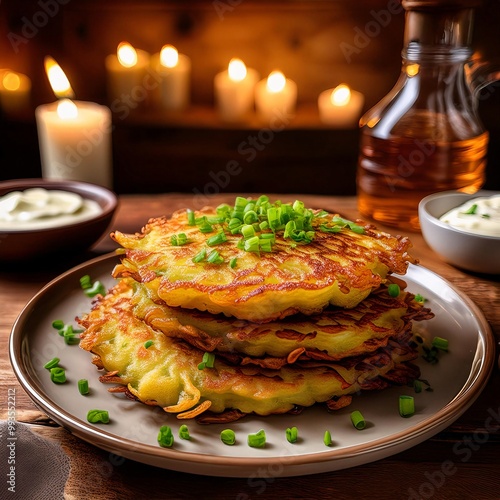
(317,43)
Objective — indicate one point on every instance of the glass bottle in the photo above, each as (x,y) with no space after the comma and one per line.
(425,135)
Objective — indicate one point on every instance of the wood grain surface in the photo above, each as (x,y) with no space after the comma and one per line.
(460,462)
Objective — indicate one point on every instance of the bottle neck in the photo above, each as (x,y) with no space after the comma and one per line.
(440,33)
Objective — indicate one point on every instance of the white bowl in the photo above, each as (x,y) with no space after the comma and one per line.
(465,250)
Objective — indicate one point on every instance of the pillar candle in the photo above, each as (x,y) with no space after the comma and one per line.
(15,92)
(340,107)
(275,96)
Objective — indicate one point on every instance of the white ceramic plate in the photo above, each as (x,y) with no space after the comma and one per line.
(456,380)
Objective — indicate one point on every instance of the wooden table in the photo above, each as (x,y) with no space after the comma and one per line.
(415,473)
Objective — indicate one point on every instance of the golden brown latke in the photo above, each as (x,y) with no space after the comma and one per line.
(167,373)
(335,268)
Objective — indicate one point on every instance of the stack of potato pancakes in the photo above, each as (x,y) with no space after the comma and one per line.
(258,307)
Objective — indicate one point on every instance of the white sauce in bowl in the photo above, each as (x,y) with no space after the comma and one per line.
(478,216)
(38,208)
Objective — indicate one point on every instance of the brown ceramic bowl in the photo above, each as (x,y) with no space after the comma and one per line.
(24,245)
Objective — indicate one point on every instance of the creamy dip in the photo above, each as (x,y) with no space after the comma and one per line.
(478,216)
(38,208)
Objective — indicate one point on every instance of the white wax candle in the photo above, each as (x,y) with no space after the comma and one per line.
(340,107)
(127,72)
(75,141)
(174,78)
(275,96)
(15,92)
(234,90)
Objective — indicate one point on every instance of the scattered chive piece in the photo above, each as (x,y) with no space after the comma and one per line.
(232,263)
(227,436)
(191,218)
(440,343)
(257,440)
(417,386)
(52,363)
(83,386)
(358,420)
(430,354)
(184,432)
(98,416)
(216,239)
(58,375)
(327,438)
(85,281)
(148,344)
(292,434)
(393,290)
(207,361)
(406,406)
(214,257)
(178,239)
(165,437)
(96,289)
(472,210)
(419,298)
(201,255)
(58,324)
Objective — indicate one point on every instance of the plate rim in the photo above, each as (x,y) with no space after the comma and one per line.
(148,454)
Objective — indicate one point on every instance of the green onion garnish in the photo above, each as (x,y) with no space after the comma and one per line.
(393,290)
(417,386)
(96,289)
(184,432)
(83,386)
(178,239)
(165,437)
(419,298)
(85,281)
(58,375)
(327,438)
(440,343)
(292,434)
(472,210)
(52,363)
(358,420)
(217,239)
(232,262)
(58,324)
(98,416)
(406,406)
(207,361)
(200,256)
(257,440)
(214,257)
(148,344)
(227,436)
(190,217)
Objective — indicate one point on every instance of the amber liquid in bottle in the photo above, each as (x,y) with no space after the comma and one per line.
(395,173)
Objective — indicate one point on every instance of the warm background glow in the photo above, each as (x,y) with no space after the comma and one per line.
(169,56)
(237,70)
(276,81)
(127,55)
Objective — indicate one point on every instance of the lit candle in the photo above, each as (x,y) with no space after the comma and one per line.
(340,107)
(127,74)
(234,90)
(174,71)
(275,96)
(15,90)
(74,136)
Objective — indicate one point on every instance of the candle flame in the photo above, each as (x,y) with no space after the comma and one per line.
(66,109)
(169,56)
(237,70)
(341,95)
(276,81)
(57,79)
(127,55)
(11,81)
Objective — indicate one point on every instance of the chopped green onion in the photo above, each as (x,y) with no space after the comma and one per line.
(206,227)
(200,256)
(430,354)
(98,416)
(58,324)
(96,289)
(440,343)
(214,257)
(165,437)
(178,239)
(251,244)
(472,210)
(58,375)
(148,344)
(250,217)
(393,290)
(358,420)
(327,438)
(292,434)
(52,363)
(191,217)
(184,432)
(85,281)
(207,361)
(83,386)
(232,262)
(406,406)
(227,436)
(248,231)
(216,239)
(419,298)
(257,440)
(417,386)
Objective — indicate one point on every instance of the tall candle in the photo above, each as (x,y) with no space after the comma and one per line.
(74,137)
(234,90)
(15,92)
(340,107)
(276,95)
(174,72)
(127,75)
